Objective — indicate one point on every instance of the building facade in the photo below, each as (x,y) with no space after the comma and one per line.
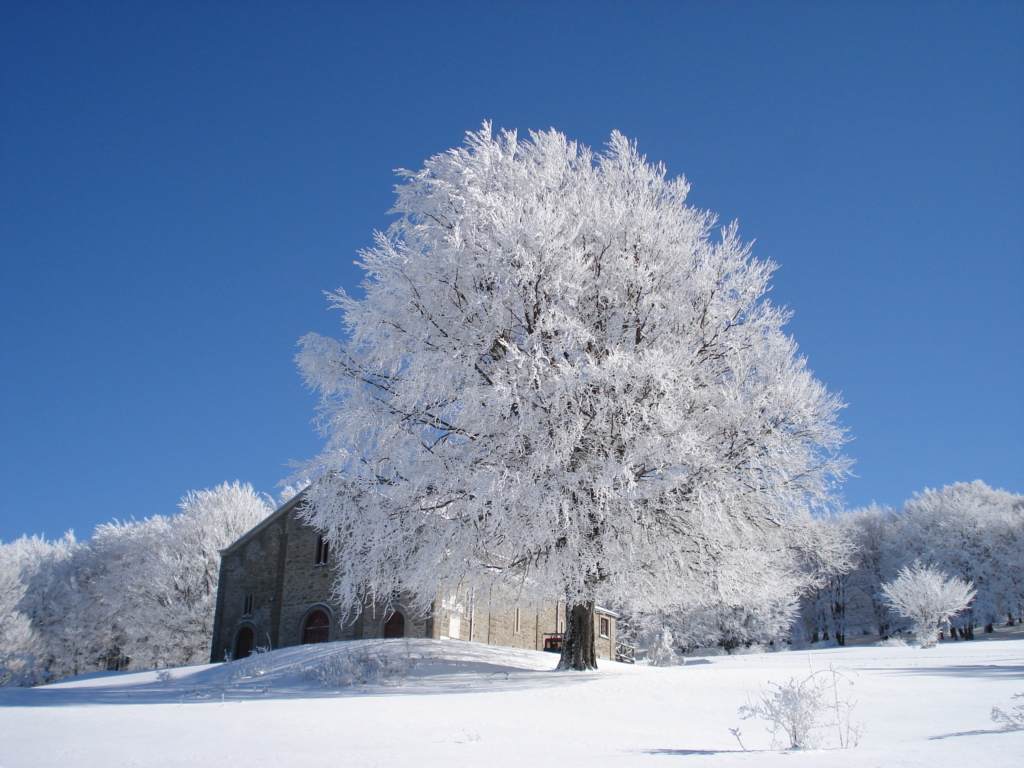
(275,591)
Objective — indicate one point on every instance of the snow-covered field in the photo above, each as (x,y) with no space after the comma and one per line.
(464,704)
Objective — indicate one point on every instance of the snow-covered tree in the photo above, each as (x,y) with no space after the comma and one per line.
(828,555)
(559,381)
(927,597)
(137,595)
(752,597)
(20,562)
(872,532)
(974,532)
(164,592)
(53,606)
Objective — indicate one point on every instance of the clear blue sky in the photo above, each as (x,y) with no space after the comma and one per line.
(179,182)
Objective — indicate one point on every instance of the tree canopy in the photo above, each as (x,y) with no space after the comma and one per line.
(559,380)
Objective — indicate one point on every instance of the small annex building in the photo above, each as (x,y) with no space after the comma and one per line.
(275,591)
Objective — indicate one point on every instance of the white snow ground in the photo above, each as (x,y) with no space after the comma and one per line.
(464,704)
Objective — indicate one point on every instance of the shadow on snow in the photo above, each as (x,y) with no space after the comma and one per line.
(425,667)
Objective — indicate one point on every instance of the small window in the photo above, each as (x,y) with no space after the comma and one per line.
(323,550)
(247,605)
(605,626)
(518,622)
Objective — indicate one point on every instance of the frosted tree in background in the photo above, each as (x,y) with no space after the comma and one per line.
(558,382)
(927,597)
(828,554)
(974,532)
(54,607)
(21,563)
(968,530)
(164,587)
(137,595)
(872,529)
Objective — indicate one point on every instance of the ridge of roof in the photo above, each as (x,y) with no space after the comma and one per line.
(266,522)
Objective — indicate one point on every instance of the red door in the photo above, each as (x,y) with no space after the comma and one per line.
(395,625)
(317,628)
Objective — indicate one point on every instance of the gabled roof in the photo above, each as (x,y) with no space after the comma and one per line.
(272,518)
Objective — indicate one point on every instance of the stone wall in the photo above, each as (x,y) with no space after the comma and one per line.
(306,586)
(270,581)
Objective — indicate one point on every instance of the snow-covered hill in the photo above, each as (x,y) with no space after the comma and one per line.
(447,703)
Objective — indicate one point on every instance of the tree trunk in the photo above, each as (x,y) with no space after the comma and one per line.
(579,651)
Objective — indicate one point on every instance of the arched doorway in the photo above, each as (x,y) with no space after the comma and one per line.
(395,625)
(244,643)
(317,628)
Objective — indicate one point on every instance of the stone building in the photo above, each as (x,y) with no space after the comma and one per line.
(275,591)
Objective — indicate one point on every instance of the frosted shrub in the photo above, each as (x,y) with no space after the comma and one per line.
(361,667)
(663,654)
(746,650)
(927,597)
(893,641)
(1012,720)
(801,708)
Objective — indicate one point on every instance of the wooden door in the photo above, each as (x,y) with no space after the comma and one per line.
(395,625)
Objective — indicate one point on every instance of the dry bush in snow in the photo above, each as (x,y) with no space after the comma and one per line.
(358,667)
(802,708)
(1012,720)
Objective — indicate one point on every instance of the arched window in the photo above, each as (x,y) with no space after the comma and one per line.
(317,628)
(395,625)
(244,642)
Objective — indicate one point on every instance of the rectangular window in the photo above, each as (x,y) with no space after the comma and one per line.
(323,548)
(519,623)
(605,626)
(247,605)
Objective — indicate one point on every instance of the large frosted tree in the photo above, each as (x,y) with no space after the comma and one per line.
(561,384)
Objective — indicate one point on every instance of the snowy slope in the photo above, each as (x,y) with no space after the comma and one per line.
(463,704)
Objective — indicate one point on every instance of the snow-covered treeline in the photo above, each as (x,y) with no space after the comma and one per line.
(141,594)
(965,530)
(825,578)
(753,596)
(137,595)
